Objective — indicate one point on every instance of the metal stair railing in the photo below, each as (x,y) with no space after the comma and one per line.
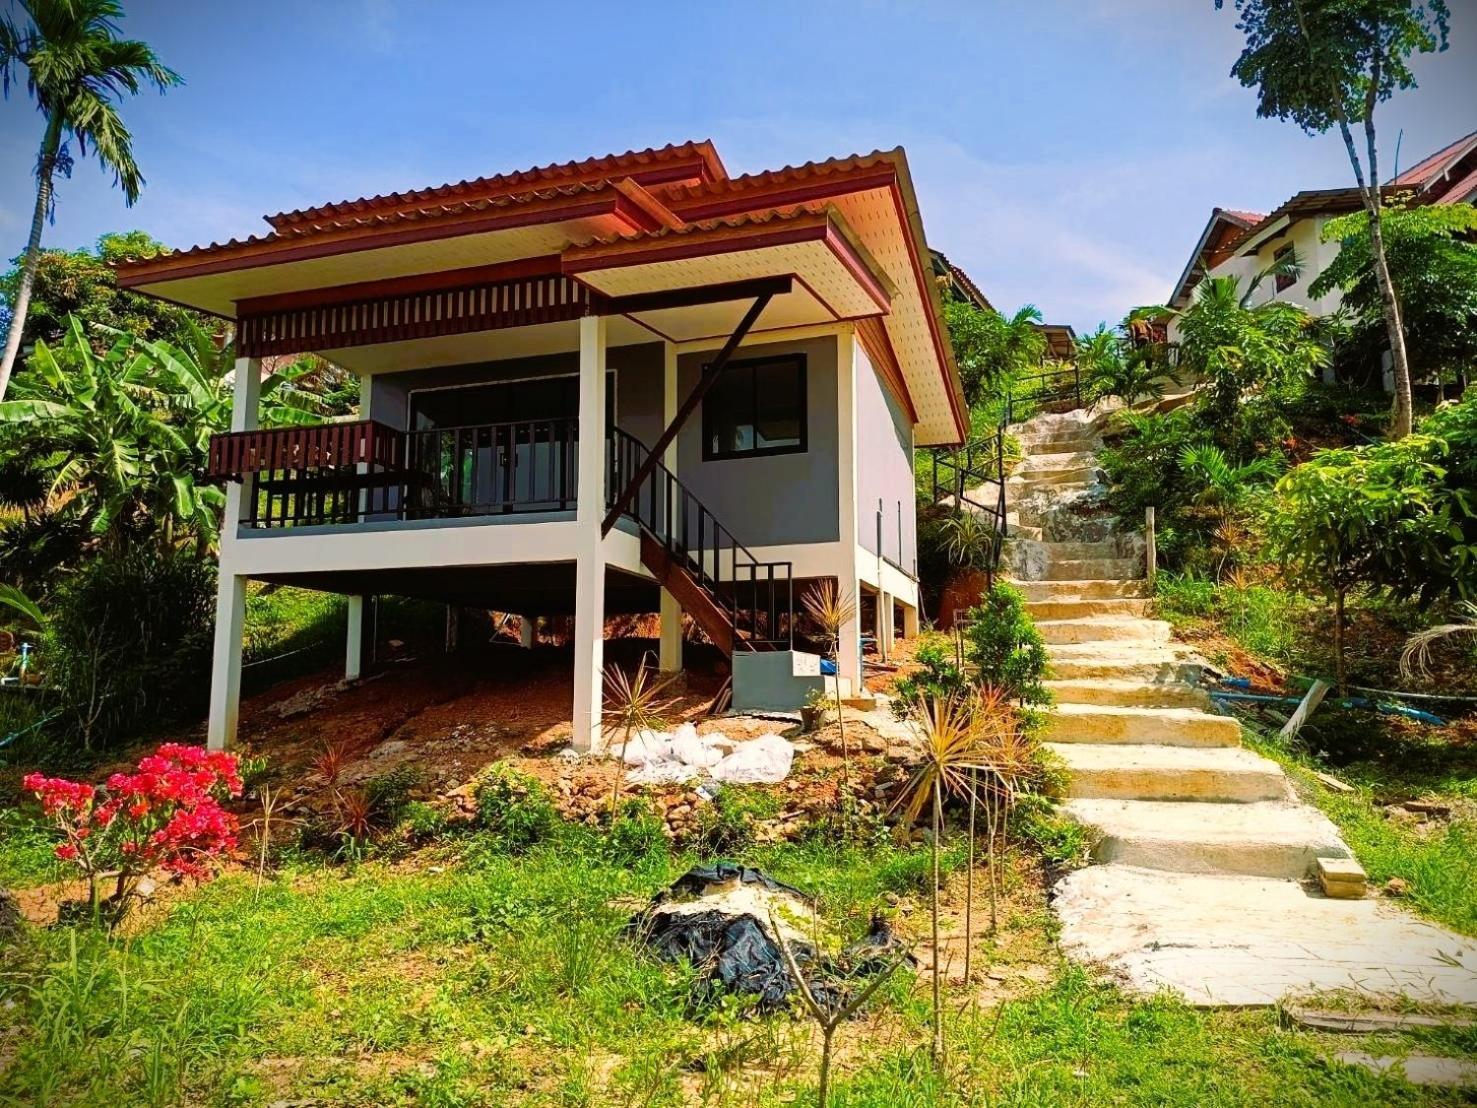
(756,596)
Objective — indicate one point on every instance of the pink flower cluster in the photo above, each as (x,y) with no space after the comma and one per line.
(167,815)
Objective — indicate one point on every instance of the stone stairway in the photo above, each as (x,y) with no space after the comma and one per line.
(1187,823)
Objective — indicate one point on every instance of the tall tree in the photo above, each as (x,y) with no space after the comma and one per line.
(77,69)
(1327,63)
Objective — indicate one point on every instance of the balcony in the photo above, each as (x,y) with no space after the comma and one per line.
(365,471)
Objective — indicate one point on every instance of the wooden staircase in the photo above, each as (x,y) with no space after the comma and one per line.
(739,601)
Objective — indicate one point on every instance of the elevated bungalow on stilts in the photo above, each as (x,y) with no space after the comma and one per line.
(626,384)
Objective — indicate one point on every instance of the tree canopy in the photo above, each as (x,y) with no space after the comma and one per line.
(82,283)
(1433,262)
(991,348)
(1317,62)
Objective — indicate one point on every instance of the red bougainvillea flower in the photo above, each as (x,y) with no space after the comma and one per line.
(165,815)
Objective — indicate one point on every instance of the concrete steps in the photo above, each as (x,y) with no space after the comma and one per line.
(1157,772)
(1129,693)
(1035,461)
(1157,663)
(1094,569)
(1260,839)
(1102,629)
(1081,590)
(1069,475)
(1137,724)
(1077,608)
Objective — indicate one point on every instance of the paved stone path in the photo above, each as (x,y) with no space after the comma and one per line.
(1203,847)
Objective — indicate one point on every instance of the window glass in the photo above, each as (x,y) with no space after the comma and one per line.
(756,407)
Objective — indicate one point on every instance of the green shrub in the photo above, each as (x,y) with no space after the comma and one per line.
(726,824)
(421,822)
(940,676)
(128,643)
(636,834)
(389,793)
(1002,644)
(514,809)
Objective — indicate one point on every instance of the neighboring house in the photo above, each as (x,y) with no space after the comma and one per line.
(956,286)
(627,384)
(1243,244)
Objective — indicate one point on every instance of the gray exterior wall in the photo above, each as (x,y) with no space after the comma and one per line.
(779,500)
(884,470)
(786,498)
(638,384)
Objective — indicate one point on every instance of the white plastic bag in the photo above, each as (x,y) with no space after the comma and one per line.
(763,761)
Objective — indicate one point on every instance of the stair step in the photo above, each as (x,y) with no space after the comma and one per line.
(1137,724)
(1160,663)
(1081,590)
(1067,459)
(1077,608)
(1261,839)
(1077,550)
(1103,629)
(1230,774)
(1129,693)
(1095,569)
(1071,475)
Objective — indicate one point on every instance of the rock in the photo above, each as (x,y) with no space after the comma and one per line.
(891,899)
(874,744)
(10,916)
(1396,886)
(1426,808)
(900,753)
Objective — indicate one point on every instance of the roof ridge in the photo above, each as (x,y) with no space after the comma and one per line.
(646,156)
(763,177)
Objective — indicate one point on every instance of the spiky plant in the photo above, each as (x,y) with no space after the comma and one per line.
(833,609)
(632,704)
(954,736)
(1415,659)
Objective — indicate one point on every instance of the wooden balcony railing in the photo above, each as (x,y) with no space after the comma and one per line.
(344,473)
(327,445)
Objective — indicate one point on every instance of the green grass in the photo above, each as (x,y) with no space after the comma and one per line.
(466,976)
(1440,864)
(1267,622)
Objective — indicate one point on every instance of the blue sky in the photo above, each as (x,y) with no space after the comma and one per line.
(1066,152)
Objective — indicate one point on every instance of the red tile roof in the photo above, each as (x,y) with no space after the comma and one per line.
(329,223)
(632,162)
(1424,171)
(1465,190)
(1251,219)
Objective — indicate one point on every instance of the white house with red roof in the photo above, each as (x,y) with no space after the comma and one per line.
(628,384)
(1243,243)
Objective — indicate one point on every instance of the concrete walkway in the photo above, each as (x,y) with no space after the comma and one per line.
(1204,850)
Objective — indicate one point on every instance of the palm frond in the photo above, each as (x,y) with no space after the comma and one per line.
(1415,659)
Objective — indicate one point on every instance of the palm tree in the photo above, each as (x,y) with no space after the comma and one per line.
(76,69)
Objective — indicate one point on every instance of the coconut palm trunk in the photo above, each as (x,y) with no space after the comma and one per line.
(45,169)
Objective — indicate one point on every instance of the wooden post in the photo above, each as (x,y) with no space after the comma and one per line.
(1151,551)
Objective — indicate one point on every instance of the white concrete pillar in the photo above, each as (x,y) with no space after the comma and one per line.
(230,596)
(527,631)
(884,625)
(910,621)
(225,670)
(670,652)
(849,650)
(669,658)
(354,640)
(589,591)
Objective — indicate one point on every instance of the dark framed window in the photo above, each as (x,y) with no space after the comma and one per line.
(1284,281)
(756,408)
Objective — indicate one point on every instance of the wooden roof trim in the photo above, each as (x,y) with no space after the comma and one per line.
(872,334)
(273,251)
